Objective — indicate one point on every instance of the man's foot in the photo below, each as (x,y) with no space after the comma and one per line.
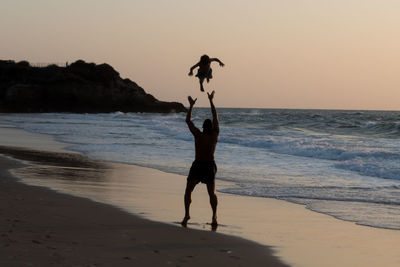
(214,221)
(185,220)
(201,88)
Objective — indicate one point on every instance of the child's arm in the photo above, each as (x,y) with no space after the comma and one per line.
(219,61)
(192,68)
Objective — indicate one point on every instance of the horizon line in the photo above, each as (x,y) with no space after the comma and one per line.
(285,108)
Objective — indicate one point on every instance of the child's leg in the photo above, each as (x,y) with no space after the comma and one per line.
(201,84)
(209,75)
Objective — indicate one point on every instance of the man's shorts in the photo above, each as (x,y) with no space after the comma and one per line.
(203,171)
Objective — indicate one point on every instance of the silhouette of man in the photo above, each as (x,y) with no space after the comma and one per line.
(203,168)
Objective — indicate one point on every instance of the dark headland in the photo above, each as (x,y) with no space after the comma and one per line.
(78,87)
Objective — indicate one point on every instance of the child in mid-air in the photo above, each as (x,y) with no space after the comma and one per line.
(204,71)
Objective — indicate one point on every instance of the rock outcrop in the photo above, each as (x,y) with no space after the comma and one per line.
(78,87)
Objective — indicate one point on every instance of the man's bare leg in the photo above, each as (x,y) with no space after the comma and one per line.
(213,202)
(190,185)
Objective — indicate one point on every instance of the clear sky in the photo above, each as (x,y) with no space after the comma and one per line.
(333,54)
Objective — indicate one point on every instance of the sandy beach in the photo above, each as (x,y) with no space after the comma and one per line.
(44,228)
(41,227)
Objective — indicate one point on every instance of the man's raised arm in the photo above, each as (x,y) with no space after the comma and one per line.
(189,122)
(214,112)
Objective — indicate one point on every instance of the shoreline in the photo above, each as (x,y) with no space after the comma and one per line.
(43,227)
(301,237)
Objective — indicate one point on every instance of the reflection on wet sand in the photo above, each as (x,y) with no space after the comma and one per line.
(67,172)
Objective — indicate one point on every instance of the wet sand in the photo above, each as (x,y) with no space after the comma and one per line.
(40,227)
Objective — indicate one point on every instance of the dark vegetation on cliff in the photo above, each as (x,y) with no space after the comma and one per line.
(78,87)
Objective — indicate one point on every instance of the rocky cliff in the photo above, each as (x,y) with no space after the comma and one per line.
(78,87)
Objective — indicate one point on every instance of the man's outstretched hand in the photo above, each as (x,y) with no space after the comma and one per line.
(211,96)
(191,101)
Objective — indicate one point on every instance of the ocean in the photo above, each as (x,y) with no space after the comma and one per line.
(342,163)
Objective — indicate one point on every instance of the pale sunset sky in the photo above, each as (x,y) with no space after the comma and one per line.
(329,54)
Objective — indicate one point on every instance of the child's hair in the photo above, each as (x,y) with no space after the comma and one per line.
(204,59)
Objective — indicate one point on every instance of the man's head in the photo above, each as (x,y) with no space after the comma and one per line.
(207,126)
